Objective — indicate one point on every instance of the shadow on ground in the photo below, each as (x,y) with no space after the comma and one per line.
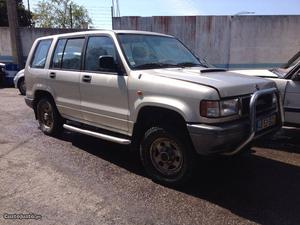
(253,187)
(288,139)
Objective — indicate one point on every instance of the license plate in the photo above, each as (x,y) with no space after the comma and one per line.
(266,122)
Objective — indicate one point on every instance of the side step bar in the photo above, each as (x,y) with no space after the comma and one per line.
(106,137)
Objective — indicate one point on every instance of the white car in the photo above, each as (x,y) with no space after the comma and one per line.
(287,79)
(19,82)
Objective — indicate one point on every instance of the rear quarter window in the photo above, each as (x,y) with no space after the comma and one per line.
(40,54)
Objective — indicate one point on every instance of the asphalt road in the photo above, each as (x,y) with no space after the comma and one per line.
(81,180)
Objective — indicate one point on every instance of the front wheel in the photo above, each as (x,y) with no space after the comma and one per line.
(167,157)
(48,116)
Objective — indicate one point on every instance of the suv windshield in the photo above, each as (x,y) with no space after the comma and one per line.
(153,51)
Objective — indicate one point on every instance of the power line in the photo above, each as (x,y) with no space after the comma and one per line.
(100,15)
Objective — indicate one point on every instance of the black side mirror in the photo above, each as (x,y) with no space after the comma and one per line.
(297,76)
(107,63)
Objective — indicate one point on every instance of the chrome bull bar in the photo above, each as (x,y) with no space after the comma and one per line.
(252,116)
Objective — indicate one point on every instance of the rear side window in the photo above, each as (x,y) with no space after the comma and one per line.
(40,54)
(72,54)
(58,53)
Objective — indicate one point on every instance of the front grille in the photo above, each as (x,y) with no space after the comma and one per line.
(264,104)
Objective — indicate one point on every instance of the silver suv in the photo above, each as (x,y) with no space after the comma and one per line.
(147,90)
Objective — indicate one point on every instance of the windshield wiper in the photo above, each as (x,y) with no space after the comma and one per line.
(188,64)
(164,65)
(154,65)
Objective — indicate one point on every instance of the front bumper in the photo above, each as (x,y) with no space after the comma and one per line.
(230,138)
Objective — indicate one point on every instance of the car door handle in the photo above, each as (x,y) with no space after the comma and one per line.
(52,75)
(86,78)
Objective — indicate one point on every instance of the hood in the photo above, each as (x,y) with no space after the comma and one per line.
(227,83)
(257,73)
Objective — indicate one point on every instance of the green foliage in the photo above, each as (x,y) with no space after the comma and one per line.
(60,14)
(24,16)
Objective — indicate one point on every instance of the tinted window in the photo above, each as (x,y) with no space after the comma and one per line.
(96,47)
(72,54)
(40,54)
(57,56)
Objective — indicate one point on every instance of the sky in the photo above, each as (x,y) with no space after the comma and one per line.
(99,10)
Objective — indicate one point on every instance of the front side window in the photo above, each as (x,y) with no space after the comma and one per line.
(97,47)
(72,55)
(151,51)
(40,54)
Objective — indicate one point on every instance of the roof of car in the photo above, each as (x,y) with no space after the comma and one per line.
(105,32)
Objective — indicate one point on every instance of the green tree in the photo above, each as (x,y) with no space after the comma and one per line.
(60,14)
(24,16)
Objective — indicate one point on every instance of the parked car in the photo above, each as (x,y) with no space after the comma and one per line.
(2,73)
(8,71)
(19,82)
(287,79)
(147,90)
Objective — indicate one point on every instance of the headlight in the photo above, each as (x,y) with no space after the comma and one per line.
(229,107)
(215,109)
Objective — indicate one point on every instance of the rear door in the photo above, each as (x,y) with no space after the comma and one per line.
(104,99)
(37,69)
(64,76)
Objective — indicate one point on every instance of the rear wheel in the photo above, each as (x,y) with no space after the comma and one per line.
(168,158)
(48,116)
(22,86)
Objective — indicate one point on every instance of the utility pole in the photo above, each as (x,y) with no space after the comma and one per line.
(15,39)
(112,8)
(115,8)
(115,11)
(71,19)
(28,5)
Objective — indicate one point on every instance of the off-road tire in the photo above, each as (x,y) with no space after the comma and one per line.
(182,142)
(50,121)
